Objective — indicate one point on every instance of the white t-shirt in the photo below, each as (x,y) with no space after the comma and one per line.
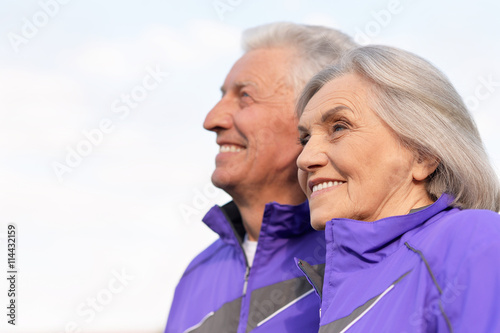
(249,247)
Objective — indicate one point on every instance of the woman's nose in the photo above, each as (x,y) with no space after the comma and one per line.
(312,156)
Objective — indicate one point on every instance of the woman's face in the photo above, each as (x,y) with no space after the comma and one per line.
(352,165)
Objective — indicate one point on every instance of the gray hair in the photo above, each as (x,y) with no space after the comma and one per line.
(421,106)
(315,47)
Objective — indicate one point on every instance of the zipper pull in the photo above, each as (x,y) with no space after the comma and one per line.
(247,273)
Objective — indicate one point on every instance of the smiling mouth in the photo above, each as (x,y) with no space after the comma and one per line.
(230,148)
(324,185)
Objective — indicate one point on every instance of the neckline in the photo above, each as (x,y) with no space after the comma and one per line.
(373,241)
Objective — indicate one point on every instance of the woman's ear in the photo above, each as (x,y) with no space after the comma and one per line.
(423,167)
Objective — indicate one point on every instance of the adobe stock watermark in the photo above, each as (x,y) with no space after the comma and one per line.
(31,26)
(380,20)
(317,255)
(221,7)
(200,204)
(88,310)
(121,108)
(483,91)
(271,304)
(451,291)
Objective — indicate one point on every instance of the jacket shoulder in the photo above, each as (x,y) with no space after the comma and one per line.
(457,236)
(463,250)
(469,224)
(210,253)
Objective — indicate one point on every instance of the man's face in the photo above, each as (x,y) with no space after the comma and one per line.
(255,125)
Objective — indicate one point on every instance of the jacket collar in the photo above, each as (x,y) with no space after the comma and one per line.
(371,242)
(279,221)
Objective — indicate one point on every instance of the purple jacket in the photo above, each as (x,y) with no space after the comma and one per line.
(434,270)
(218,293)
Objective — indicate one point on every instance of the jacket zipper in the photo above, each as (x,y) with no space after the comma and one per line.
(309,278)
(245,283)
(240,243)
(307,275)
(247,266)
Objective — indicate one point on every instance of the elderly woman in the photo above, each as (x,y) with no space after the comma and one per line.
(396,174)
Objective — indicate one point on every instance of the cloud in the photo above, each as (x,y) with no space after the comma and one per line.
(38,108)
(321,19)
(103,59)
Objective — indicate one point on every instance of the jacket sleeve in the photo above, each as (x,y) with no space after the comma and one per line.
(470,299)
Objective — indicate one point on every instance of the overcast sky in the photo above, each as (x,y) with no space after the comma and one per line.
(104,164)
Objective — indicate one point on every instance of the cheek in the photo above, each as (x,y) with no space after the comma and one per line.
(302,176)
(374,182)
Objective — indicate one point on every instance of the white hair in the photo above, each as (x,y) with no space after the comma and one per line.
(421,106)
(315,47)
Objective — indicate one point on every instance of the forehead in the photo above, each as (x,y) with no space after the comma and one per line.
(349,91)
(260,67)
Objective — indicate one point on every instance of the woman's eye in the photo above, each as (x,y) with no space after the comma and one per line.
(339,127)
(303,141)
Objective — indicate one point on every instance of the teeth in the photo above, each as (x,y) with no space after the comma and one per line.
(229,149)
(324,185)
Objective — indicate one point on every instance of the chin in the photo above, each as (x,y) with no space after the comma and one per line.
(317,224)
(221,179)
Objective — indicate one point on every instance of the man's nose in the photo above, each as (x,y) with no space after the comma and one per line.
(219,118)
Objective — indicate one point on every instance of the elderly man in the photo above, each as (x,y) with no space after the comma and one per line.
(247,280)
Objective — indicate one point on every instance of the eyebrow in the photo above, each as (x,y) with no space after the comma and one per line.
(239,85)
(327,115)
